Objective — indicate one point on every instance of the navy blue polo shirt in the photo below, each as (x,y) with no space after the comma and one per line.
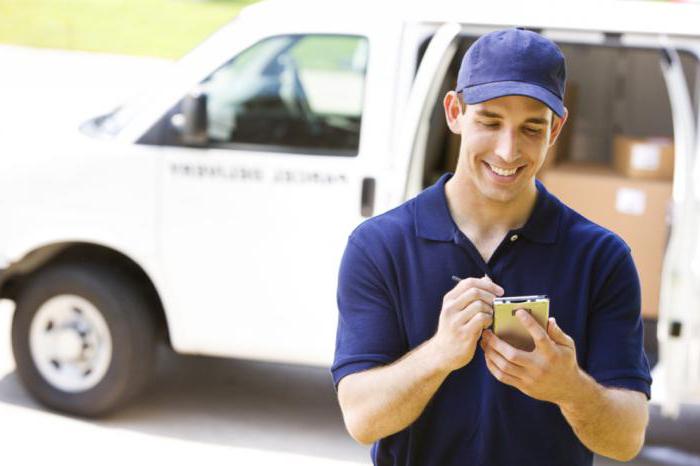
(394,273)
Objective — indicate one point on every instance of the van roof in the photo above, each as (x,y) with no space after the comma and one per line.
(616,16)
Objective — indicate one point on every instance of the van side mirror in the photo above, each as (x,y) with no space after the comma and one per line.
(191,123)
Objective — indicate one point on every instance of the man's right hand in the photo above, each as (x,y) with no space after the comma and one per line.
(467,309)
(384,400)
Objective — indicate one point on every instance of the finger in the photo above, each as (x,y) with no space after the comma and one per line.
(558,335)
(538,334)
(500,375)
(465,315)
(472,282)
(477,324)
(489,280)
(507,367)
(508,352)
(470,296)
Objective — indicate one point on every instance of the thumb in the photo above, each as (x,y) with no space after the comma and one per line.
(557,334)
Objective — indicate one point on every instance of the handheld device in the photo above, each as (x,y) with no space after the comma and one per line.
(508,327)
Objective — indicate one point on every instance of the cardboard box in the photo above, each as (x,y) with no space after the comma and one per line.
(634,209)
(643,158)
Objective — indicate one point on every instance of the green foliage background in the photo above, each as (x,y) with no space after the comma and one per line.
(161,28)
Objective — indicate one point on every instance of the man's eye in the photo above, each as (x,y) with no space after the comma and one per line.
(489,125)
(533,130)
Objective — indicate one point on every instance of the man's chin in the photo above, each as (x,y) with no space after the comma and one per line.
(499,194)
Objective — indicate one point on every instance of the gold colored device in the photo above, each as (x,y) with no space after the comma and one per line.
(508,327)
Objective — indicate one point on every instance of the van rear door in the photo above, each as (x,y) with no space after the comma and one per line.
(677,376)
(413,130)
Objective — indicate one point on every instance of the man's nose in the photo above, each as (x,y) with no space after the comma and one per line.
(507,146)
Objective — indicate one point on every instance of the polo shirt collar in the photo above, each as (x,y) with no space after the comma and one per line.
(433,220)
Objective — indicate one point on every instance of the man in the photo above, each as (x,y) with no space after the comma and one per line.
(417,370)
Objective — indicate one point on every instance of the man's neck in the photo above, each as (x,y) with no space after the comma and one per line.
(480,217)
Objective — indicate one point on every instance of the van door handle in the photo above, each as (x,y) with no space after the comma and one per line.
(367,202)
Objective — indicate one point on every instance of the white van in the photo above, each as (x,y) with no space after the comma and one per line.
(211,212)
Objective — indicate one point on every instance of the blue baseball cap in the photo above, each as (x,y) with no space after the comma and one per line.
(513,62)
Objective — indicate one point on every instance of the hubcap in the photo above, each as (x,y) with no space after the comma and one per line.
(70,343)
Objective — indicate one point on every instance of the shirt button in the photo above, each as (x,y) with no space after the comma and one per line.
(513,238)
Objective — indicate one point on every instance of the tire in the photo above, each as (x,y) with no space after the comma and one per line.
(83,338)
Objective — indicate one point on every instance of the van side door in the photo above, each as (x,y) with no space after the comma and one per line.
(255,216)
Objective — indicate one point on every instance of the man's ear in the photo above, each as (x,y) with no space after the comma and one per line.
(557,127)
(453,110)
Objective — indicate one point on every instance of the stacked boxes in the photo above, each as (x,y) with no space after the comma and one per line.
(630,195)
(635,209)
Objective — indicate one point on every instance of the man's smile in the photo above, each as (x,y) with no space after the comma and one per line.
(503,174)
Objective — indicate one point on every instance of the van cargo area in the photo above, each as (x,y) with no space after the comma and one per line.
(613,161)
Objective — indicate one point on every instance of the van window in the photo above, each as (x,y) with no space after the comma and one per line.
(296,93)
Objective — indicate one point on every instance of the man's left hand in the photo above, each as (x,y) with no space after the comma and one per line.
(549,373)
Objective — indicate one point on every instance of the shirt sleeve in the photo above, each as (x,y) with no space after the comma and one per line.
(615,332)
(368,332)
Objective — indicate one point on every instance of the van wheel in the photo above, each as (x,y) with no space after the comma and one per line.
(84,339)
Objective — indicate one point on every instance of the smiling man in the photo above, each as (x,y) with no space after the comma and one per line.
(417,371)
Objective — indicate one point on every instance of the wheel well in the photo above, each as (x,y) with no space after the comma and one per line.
(47,256)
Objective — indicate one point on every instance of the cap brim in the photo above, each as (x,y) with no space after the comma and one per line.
(483,92)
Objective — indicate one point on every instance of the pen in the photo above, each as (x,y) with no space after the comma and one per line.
(456,279)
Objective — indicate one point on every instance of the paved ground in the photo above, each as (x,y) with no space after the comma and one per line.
(199,411)
(207,410)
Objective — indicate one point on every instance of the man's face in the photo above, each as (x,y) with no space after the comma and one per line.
(504,143)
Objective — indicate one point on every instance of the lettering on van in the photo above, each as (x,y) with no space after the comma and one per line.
(255,174)
(217,171)
(298,177)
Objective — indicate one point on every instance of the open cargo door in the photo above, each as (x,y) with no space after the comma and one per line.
(414,130)
(677,376)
